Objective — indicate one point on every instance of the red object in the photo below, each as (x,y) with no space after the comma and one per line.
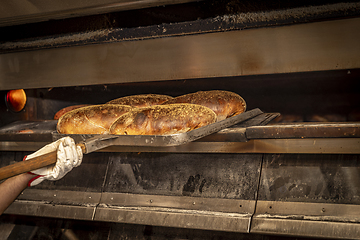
(16,100)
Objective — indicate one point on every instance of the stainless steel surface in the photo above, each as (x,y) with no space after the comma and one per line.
(39,126)
(310,178)
(28,131)
(240,206)
(287,218)
(236,134)
(305,228)
(6,229)
(56,203)
(309,145)
(170,211)
(310,195)
(61,196)
(260,120)
(319,46)
(308,211)
(305,130)
(183,219)
(22,11)
(35,208)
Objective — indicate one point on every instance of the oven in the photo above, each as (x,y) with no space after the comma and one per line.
(293,170)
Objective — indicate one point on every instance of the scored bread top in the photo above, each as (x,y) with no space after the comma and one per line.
(95,119)
(224,103)
(163,120)
(142,100)
(64,110)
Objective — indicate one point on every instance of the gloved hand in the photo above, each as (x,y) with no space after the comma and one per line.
(68,156)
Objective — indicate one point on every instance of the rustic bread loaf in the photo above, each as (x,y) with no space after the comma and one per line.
(224,103)
(142,100)
(95,119)
(68,109)
(163,120)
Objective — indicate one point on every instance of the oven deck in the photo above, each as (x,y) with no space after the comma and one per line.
(295,177)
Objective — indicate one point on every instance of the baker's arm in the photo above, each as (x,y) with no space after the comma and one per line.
(68,157)
(11,188)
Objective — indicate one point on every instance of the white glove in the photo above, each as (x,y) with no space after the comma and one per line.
(68,156)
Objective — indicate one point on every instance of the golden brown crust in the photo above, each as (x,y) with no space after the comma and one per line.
(68,109)
(95,119)
(142,100)
(163,120)
(224,103)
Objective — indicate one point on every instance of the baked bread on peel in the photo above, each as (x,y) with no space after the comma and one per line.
(163,120)
(64,110)
(224,103)
(153,114)
(95,119)
(142,100)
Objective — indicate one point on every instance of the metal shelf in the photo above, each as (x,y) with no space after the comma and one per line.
(331,138)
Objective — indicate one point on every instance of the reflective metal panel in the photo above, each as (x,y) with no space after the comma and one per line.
(22,11)
(309,195)
(305,130)
(308,211)
(318,178)
(174,211)
(316,46)
(331,230)
(228,176)
(51,210)
(309,145)
(61,196)
(183,219)
(176,203)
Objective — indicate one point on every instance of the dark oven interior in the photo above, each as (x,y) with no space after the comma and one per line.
(326,96)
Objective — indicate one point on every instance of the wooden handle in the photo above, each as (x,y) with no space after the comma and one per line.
(32,164)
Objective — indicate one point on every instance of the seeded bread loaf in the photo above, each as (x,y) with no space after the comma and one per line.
(142,100)
(95,119)
(163,120)
(224,103)
(68,109)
